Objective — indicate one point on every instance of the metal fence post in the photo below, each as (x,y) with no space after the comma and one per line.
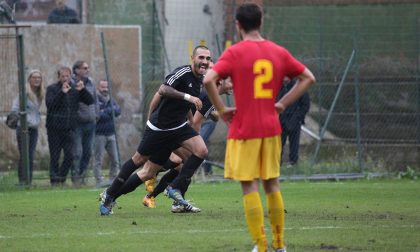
(357,105)
(22,106)
(337,94)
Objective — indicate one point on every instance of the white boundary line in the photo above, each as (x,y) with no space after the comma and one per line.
(49,235)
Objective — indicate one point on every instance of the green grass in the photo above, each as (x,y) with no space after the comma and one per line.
(375,215)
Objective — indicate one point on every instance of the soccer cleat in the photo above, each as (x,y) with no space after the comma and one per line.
(105,208)
(191,209)
(255,249)
(150,184)
(177,208)
(149,202)
(175,195)
(280,250)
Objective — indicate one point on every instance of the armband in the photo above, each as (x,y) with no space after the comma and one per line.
(187,97)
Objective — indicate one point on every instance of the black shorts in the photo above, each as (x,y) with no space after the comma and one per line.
(158,145)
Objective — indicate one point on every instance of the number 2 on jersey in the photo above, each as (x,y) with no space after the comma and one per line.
(263,69)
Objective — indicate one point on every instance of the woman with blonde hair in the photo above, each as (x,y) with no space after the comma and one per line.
(35,93)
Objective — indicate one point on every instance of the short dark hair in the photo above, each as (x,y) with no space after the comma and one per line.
(77,64)
(249,15)
(200,47)
(61,69)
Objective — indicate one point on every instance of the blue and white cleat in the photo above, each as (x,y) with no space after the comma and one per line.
(106,204)
(175,194)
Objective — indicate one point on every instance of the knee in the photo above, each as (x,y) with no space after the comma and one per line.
(201,152)
(145,174)
(138,159)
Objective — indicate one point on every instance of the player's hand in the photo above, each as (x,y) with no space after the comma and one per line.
(80,85)
(227,114)
(65,87)
(279,107)
(196,101)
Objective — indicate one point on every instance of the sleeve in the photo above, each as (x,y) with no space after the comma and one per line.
(173,79)
(292,66)
(224,64)
(117,108)
(53,97)
(305,104)
(15,104)
(86,97)
(207,105)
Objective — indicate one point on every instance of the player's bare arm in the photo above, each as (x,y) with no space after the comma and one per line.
(171,92)
(305,81)
(154,103)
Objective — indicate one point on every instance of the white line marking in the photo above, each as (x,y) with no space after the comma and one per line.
(38,235)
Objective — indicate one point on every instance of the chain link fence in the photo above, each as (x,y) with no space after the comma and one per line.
(365,106)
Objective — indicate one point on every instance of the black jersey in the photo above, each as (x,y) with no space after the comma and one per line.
(172,113)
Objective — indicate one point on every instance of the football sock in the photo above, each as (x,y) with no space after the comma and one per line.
(164,182)
(168,165)
(184,187)
(130,185)
(190,166)
(254,215)
(126,170)
(276,214)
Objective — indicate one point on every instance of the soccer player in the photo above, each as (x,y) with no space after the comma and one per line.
(257,68)
(174,164)
(167,129)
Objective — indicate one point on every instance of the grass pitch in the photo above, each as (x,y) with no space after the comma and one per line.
(375,215)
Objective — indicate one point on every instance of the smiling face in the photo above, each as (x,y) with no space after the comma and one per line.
(200,61)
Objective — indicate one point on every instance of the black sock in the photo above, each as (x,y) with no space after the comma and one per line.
(187,171)
(130,185)
(169,165)
(184,187)
(164,182)
(126,170)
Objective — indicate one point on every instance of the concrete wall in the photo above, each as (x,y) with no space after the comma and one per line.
(202,20)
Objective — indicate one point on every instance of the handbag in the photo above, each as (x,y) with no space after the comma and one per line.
(12,120)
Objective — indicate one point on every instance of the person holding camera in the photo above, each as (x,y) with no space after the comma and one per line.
(62,99)
(87,116)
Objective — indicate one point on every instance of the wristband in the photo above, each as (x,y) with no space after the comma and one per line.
(187,97)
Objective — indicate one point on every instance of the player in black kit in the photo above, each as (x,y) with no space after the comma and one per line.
(167,129)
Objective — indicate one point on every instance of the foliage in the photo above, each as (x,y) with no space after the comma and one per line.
(410,173)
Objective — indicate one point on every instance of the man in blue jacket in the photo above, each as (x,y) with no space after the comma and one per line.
(105,138)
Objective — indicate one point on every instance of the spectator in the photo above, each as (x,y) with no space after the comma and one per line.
(62,100)
(206,130)
(291,120)
(208,126)
(62,14)
(35,92)
(86,123)
(105,138)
